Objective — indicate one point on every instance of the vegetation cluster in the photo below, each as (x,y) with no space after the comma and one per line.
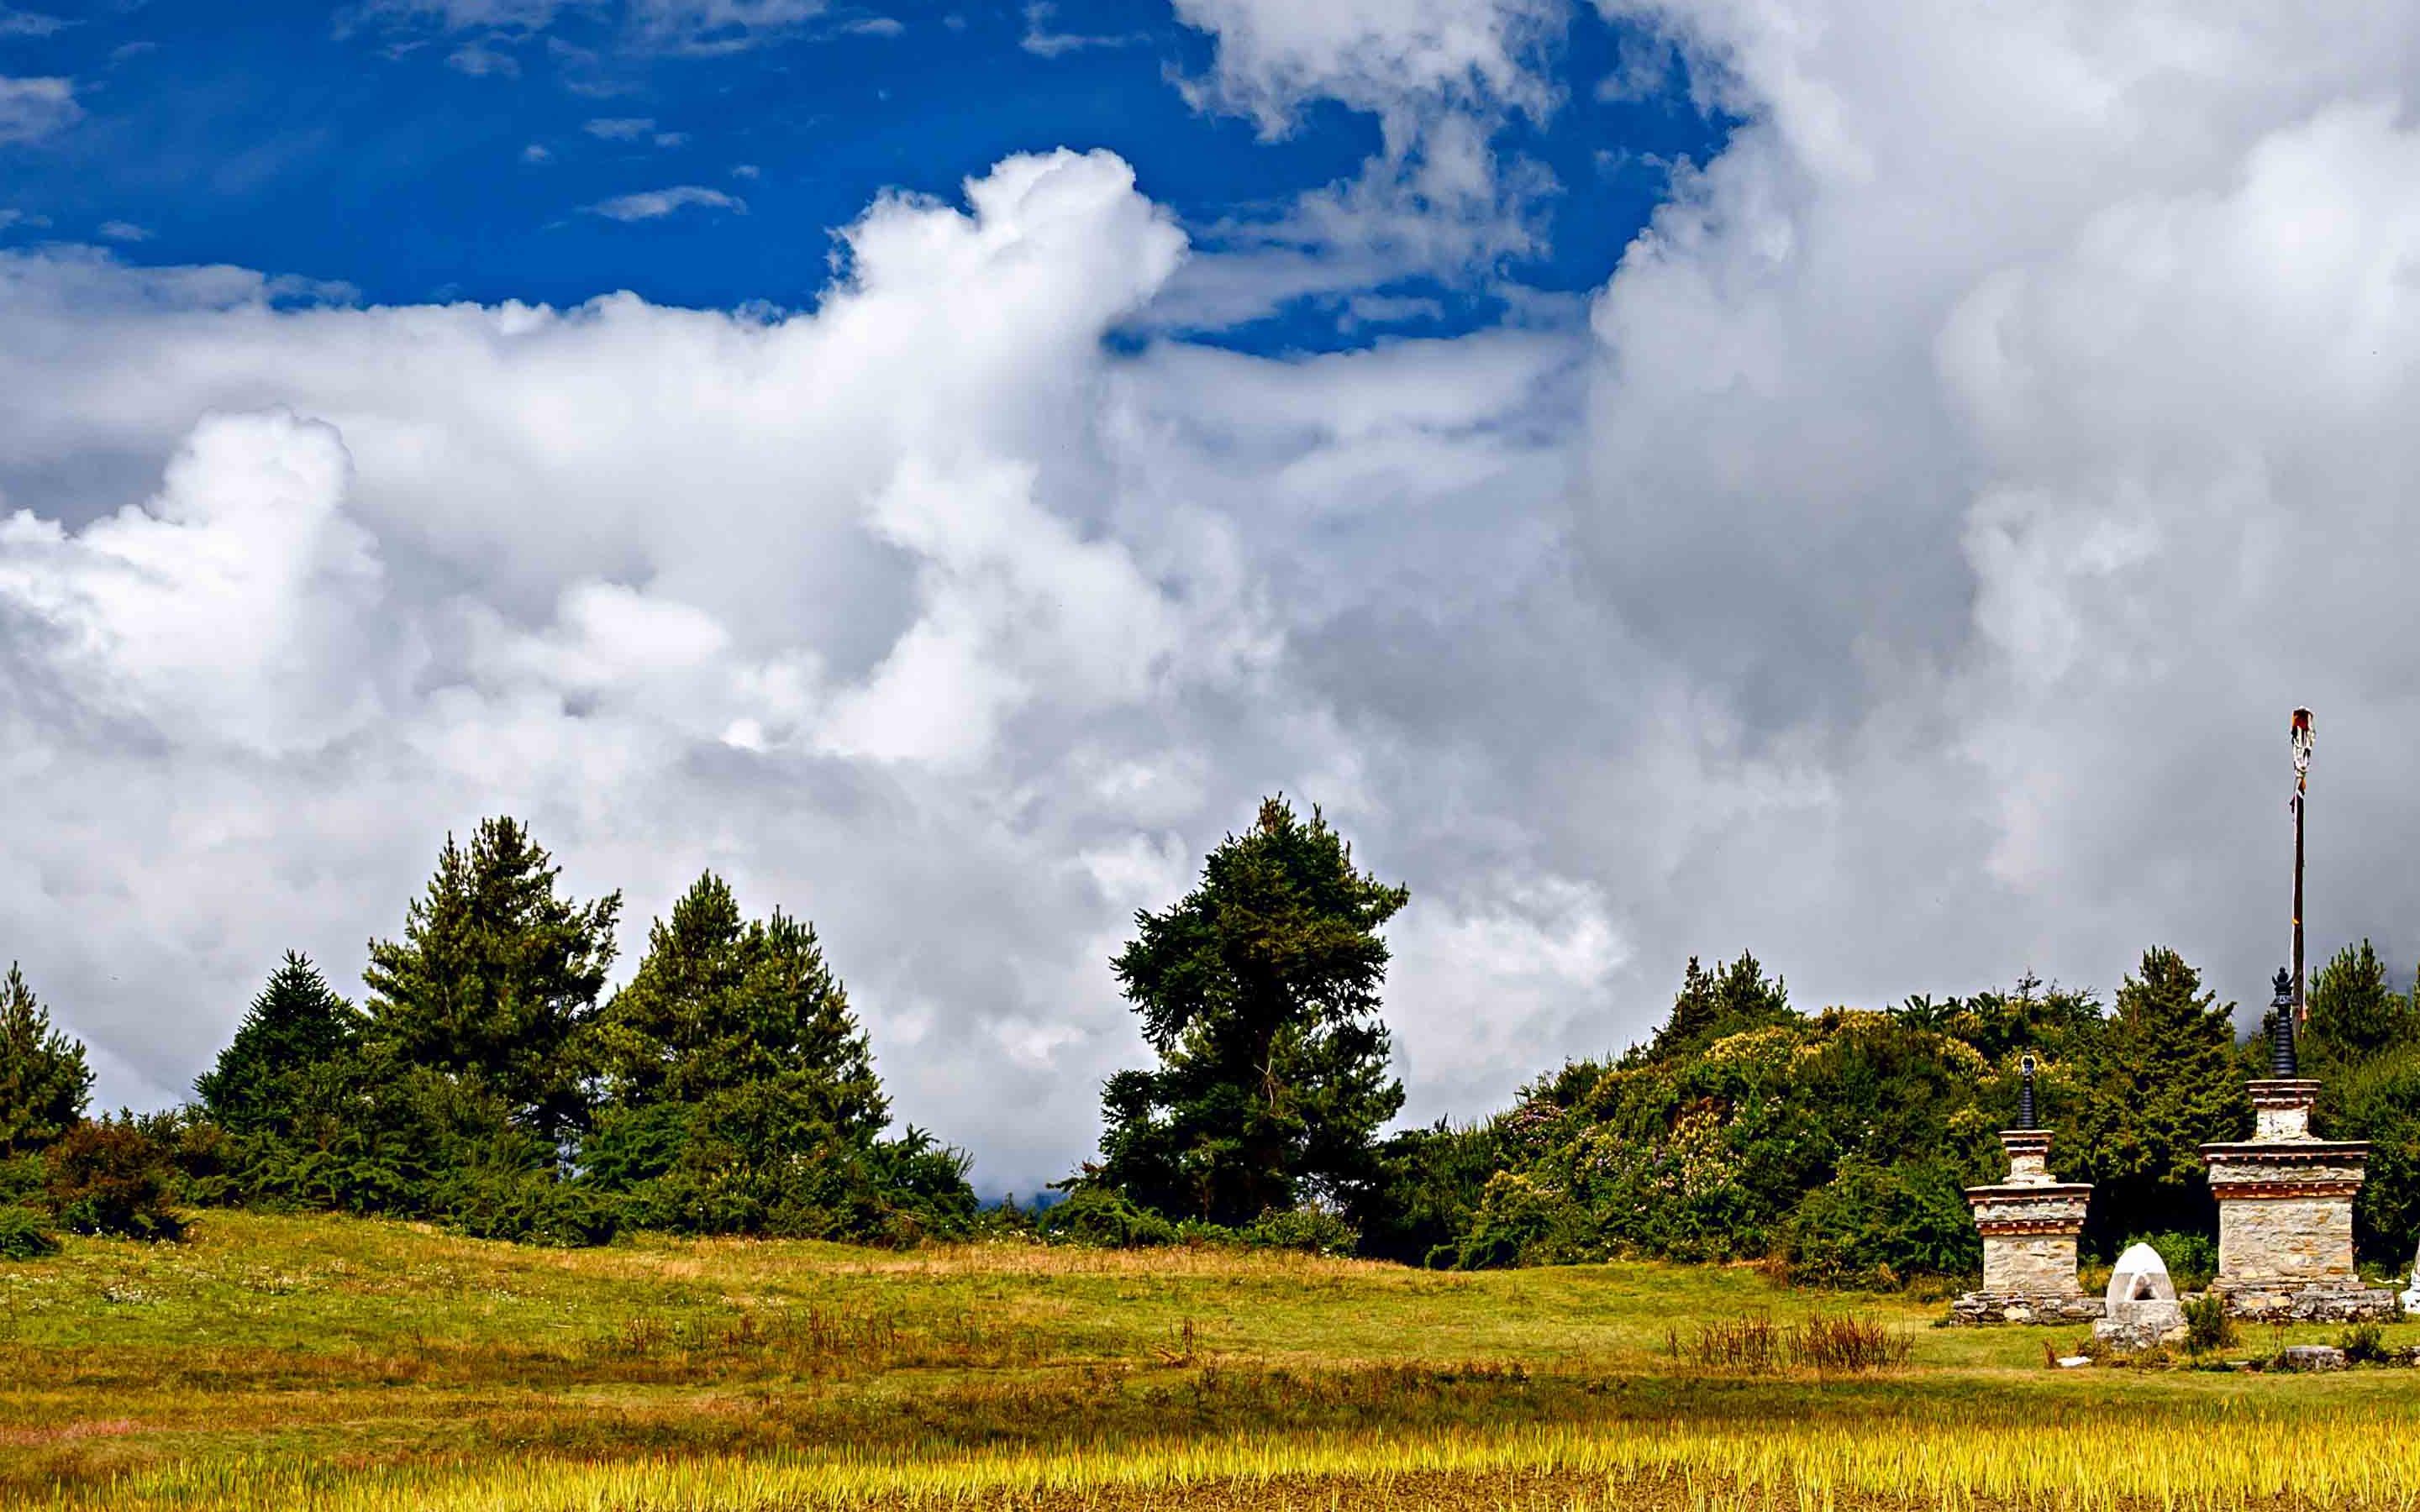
(490,1081)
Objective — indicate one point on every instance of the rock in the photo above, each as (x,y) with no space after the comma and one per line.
(2312,1357)
(2073,1362)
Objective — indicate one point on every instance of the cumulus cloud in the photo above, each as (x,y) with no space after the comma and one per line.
(32,108)
(1443,77)
(1904,572)
(655,203)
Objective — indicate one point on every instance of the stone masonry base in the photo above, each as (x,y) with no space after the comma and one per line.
(1980,1307)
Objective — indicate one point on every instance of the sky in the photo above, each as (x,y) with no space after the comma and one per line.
(1861,480)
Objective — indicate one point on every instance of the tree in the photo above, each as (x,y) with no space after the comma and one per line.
(43,1079)
(2164,1080)
(495,976)
(741,1096)
(1260,991)
(1729,999)
(296,1025)
(2355,1016)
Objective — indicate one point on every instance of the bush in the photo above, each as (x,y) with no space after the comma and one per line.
(24,1234)
(2362,1344)
(1100,1215)
(1311,1230)
(2208,1329)
(2191,1259)
(112,1177)
(1881,1227)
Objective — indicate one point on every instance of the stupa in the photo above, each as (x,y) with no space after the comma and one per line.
(2029,1223)
(2285,1200)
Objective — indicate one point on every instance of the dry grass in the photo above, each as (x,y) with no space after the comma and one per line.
(348,1366)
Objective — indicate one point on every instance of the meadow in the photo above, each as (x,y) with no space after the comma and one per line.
(301,1362)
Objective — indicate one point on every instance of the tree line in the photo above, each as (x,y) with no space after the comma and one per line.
(488,1080)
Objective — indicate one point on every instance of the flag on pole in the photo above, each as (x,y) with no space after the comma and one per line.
(2302,738)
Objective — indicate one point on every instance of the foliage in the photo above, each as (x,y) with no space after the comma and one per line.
(2192,1259)
(2355,1016)
(2164,1080)
(2379,1101)
(1259,991)
(1883,1225)
(496,975)
(43,1079)
(1310,1230)
(1430,1186)
(2207,1327)
(112,1176)
(1102,1216)
(263,1079)
(25,1234)
(2364,1344)
(1731,999)
(740,1093)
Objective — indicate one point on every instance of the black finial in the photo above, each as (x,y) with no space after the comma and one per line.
(2026,1092)
(2283,1064)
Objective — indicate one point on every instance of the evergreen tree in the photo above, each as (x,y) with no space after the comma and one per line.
(2164,1080)
(719,1002)
(1258,990)
(741,1091)
(495,976)
(43,1079)
(294,1027)
(1732,997)
(2355,1016)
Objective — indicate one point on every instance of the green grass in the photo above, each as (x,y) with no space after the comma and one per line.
(273,1361)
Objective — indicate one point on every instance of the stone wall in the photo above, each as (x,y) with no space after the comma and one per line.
(2285,1241)
(1978,1307)
(2040,1265)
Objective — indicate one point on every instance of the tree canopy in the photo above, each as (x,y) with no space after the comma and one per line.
(1260,991)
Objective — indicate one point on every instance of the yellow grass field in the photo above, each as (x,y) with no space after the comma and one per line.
(320,1363)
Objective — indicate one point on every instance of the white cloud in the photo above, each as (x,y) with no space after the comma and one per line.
(619,128)
(479,61)
(32,108)
(229,610)
(1904,573)
(16,23)
(537,153)
(655,203)
(1443,77)
(122,231)
(1043,39)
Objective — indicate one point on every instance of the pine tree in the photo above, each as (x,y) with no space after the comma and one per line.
(495,976)
(2164,1080)
(296,1025)
(719,1002)
(1732,997)
(741,1091)
(1258,990)
(2354,1015)
(43,1079)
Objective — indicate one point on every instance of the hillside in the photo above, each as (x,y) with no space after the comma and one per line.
(295,1361)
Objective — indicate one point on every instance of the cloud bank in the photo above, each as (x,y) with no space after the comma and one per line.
(1903,572)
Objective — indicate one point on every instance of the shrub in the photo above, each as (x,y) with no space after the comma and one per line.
(1311,1230)
(24,1234)
(1098,1216)
(2208,1329)
(2362,1344)
(1875,1226)
(112,1177)
(2191,1259)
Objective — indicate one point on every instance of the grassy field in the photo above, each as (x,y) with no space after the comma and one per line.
(278,1363)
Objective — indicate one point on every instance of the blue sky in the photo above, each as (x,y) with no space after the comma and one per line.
(1861,480)
(415,160)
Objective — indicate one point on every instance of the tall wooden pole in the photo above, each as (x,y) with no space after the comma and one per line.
(2302,1013)
(2302,742)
